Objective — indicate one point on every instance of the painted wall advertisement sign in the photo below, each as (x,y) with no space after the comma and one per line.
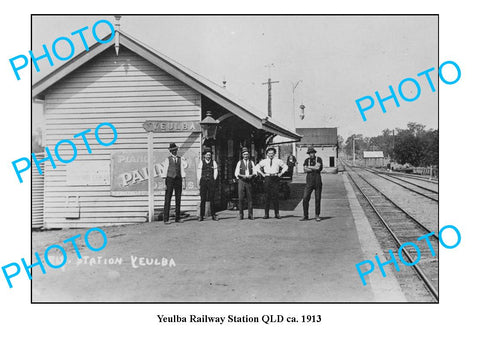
(130,171)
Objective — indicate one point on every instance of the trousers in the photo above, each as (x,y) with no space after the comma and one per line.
(245,187)
(207,193)
(314,182)
(172,184)
(271,194)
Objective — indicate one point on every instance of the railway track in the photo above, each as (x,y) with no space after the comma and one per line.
(408,178)
(428,193)
(413,176)
(401,228)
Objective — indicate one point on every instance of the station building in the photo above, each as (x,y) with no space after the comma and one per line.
(325,142)
(127,84)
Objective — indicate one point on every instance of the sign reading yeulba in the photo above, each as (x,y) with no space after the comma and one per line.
(130,171)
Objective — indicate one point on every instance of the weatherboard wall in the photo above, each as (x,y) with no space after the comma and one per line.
(125,91)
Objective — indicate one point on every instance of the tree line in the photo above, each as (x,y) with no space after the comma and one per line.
(414,145)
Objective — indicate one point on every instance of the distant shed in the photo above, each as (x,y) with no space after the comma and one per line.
(373,159)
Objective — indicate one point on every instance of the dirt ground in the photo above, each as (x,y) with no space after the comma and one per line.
(226,261)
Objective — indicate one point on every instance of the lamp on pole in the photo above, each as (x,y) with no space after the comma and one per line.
(294,146)
(209,129)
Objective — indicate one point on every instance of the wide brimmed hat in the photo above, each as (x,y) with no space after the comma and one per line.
(207,150)
(271,148)
(172,146)
(311,150)
(245,150)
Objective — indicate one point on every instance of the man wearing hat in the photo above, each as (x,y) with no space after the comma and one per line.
(272,169)
(244,172)
(174,174)
(312,166)
(207,173)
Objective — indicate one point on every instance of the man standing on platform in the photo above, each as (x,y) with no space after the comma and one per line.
(312,166)
(174,174)
(272,169)
(244,172)
(207,173)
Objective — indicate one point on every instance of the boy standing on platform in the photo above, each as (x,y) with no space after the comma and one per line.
(207,173)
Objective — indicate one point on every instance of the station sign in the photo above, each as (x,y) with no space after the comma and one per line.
(161,126)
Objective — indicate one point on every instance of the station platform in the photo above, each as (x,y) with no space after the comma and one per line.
(230,260)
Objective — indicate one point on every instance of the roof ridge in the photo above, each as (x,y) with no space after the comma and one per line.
(173,67)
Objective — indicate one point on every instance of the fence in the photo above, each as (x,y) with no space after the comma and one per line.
(427,171)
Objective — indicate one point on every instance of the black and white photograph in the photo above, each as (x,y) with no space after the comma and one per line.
(249,159)
(239,175)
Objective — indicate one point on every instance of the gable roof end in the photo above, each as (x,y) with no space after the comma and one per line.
(199,83)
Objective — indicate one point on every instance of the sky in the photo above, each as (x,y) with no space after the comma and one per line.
(337,59)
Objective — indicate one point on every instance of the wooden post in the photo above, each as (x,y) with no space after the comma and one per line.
(157,126)
(150,178)
(269,101)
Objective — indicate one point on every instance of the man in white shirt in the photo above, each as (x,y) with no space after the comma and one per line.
(244,172)
(207,173)
(173,170)
(272,169)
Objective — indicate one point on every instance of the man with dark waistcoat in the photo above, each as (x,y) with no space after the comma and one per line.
(174,174)
(272,169)
(244,172)
(312,166)
(207,173)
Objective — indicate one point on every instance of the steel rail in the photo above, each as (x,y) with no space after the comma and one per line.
(397,206)
(393,202)
(404,186)
(419,271)
(385,174)
(413,176)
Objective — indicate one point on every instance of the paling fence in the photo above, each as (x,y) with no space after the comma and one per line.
(426,171)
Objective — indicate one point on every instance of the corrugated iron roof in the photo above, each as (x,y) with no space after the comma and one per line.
(318,136)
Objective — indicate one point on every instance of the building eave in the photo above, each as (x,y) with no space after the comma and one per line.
(272,127)
(199,83)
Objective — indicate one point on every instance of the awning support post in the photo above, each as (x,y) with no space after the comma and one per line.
(150,178)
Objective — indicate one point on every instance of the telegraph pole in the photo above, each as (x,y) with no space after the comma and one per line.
(353,151)
(269,88)
(393,140)
(354,139)
(294,144)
